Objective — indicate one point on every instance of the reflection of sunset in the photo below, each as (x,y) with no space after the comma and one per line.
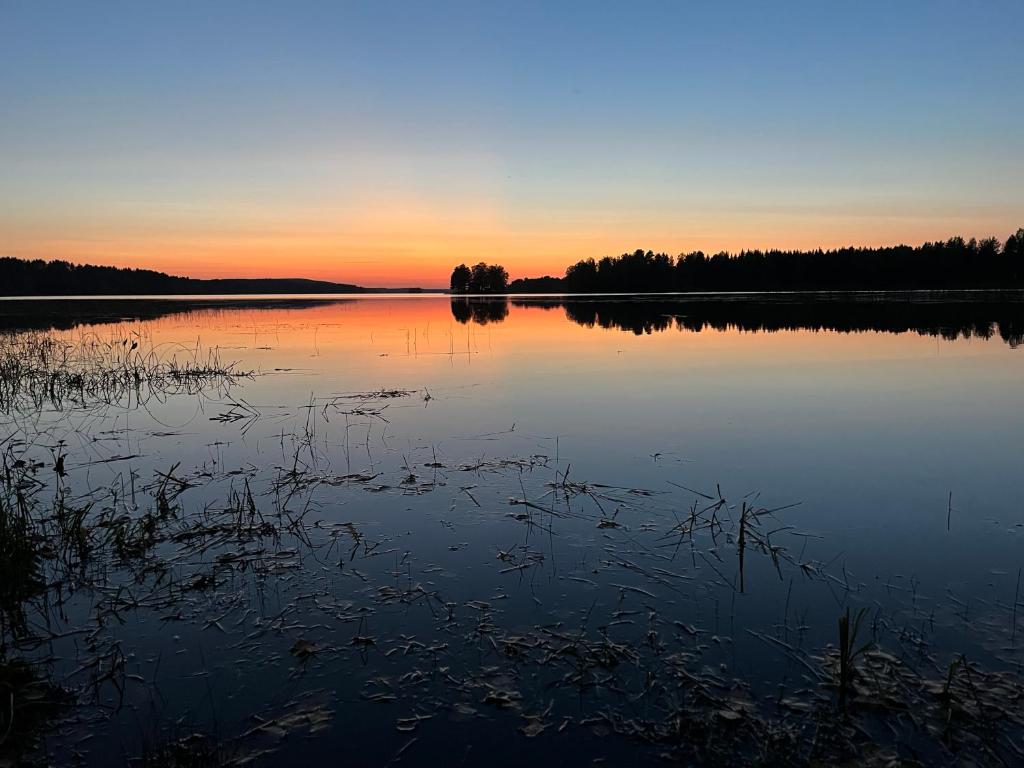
(409,336)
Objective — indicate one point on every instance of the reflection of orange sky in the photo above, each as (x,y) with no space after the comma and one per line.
(398,340)
(410,243)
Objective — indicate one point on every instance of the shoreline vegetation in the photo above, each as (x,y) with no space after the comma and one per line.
(952,264)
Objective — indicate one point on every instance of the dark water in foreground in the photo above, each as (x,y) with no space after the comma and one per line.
(437,532)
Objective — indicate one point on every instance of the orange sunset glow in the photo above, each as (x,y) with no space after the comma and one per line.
(171,146)
(412,245)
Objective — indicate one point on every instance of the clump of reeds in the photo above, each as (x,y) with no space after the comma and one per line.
(20,556)
(193,751)
(849,632)
(47,368)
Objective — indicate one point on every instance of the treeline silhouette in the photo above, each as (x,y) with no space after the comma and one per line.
(954,263)
(959,316)
(21,277)
(480,278)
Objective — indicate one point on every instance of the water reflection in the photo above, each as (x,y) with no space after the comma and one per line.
(416,508)
(479,310)
(64,314)
(949,316)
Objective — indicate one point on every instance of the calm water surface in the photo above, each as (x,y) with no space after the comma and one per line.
(889,437)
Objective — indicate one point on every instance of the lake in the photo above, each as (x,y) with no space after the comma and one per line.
(423,530)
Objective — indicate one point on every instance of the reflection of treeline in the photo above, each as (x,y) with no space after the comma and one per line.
(63,314)
(480,311)
(949,320)
(960,315)
(20,277)
(955,263)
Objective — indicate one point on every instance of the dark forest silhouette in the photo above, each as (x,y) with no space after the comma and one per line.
(948,317)
(20,277)
(481,278)
(954,263)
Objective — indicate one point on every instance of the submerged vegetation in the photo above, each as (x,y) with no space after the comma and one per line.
(342,586)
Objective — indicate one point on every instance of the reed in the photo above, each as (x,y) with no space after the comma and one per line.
(849,651)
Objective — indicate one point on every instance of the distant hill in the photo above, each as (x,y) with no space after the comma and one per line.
(21,277)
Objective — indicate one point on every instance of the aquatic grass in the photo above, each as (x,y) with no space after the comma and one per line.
(60,371)
(192,751)
(849,651)
(21,551)
(654,685)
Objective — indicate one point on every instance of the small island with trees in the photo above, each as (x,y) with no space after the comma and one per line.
(481,278)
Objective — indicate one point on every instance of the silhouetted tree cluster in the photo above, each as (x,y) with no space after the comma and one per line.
(21,277)
(481,278)
(955,263)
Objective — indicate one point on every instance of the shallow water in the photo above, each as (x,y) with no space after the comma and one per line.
(887,432)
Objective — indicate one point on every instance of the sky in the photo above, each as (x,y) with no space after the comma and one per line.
(381,143)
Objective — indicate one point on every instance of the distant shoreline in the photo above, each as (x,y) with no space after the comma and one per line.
(913,294)
(23,277)
(227,297)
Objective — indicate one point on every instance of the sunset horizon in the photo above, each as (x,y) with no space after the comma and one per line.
(436,276)
(382,145)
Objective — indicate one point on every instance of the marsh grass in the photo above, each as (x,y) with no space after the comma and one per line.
(849,651)
(653,687)
(40,369)
(21,555)
(192,751)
